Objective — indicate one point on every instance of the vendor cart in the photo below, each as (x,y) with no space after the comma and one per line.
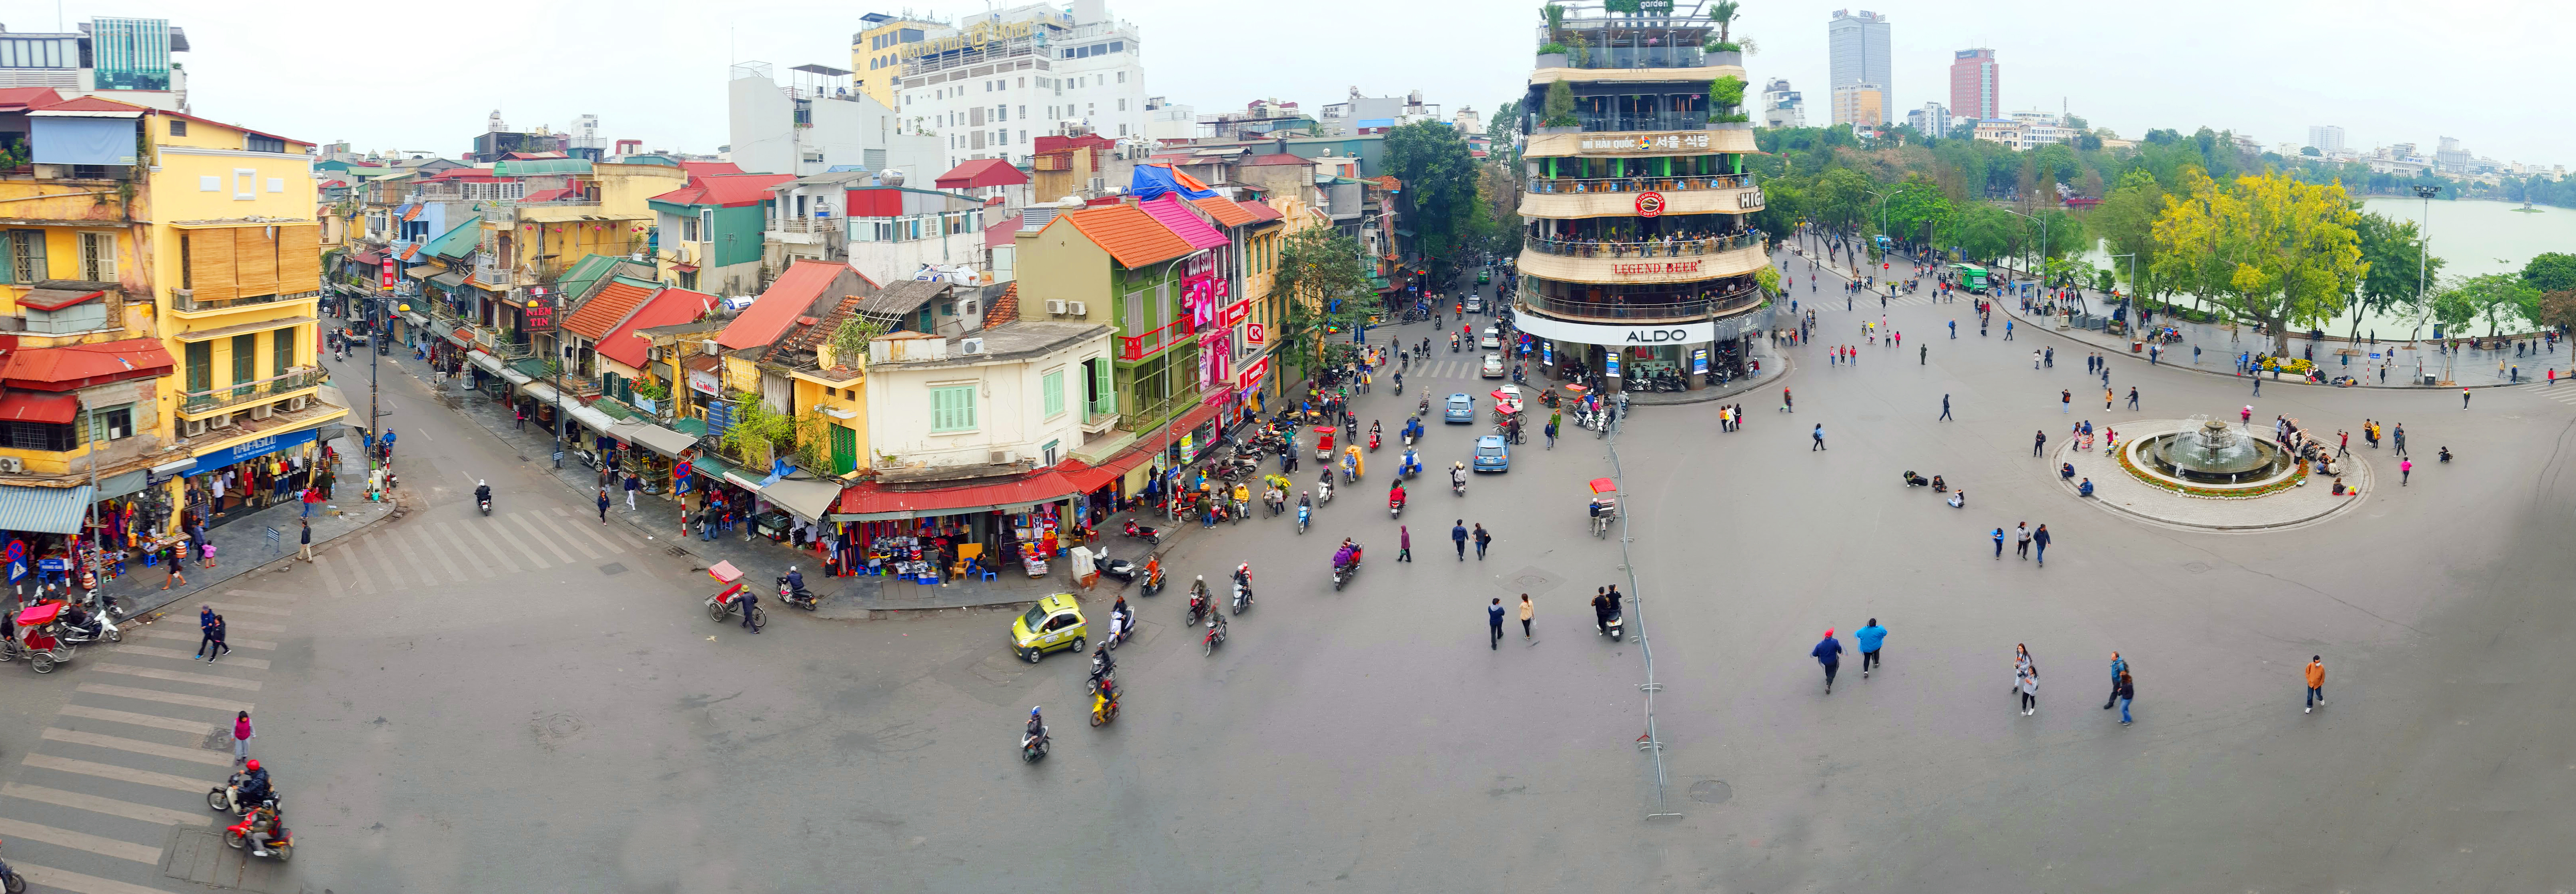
(38,630)
(1604,506)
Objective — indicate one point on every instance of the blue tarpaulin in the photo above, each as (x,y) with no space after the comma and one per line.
(1152,181)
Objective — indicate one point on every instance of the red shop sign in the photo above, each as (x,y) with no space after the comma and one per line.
(1252,375)
(1252,334)
(1650,204)
(387,280)
(1237,312)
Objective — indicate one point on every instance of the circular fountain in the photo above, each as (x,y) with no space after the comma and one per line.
(2210,458)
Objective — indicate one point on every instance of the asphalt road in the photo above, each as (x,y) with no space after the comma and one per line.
(533,701)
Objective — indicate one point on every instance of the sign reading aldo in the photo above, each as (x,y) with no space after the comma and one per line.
(1615,336)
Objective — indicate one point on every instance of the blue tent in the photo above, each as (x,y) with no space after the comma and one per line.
(1152,181)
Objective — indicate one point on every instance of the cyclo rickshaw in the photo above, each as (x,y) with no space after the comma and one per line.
(723,604)
(1604,506)
(1324,442)
(39,637)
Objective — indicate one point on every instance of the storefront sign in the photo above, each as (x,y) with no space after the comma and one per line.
(1699,361)
(1655,269)
(1611,367)
(703,382)
(1252,334)
(540,312)
(1547,353)
(252,449)
(1650,204)
(1646,142)
(1596,334)
(387,278)
(1251,377)
(1238,312)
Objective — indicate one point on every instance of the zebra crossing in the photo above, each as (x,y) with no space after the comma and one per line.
(2563,391)
(444,553)
(117,780)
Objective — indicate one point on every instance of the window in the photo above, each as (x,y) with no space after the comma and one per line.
(1122,105)
(245,184)
(689,228)
(1001,113)
(98,257)
(111,423)
(1102,394)
(27,255)
(952,408)
(245,357)
(707,226)
(45,436)
(257,143)
(1122,78)
(89,172)
(282,349)
(201,366)
(1051,386)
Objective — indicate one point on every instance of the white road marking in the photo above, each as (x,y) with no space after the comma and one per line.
(180,677)
(133,719)
(155,749)
(140,853)
(228,706)
(109,806)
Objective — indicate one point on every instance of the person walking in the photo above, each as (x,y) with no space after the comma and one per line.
(1525,616)
(2119,668)
(2464,397)
(750,601)
(1869,639)
(1999,544)
(1829,653)
(2021,540)
(1494,622)
(2065,401)
(2039,539)
(215,645)
(1403,543)
(1922,355)
(2316,683)
(1551,432)
(603,505)
(1945,410)
(2133,397)
(634,483)
(2397,438)
(170,556)
(1820,438)
(1483,538)
(242,734)
(1458,537)
(2038,441)
(2034,358)
(205,629)
(2126,690)
(2027,683)
(2405,470)
(304,545)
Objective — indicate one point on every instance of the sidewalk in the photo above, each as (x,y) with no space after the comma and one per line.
(241,542)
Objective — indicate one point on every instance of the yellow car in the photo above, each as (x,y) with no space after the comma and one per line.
(1055,623)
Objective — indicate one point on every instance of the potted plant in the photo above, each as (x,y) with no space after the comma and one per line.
(1726,103)
(1558,115)
(1553,53)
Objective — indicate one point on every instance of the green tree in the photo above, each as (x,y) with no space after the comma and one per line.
(1326,284)
(2453,307)
(1726,99)
(2502,298)
(2394,252)
(2551,272)
(2127,220)
(1560,106)
(1438,173)
(1983,232)
(1841,200)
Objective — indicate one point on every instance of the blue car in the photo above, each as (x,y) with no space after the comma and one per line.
(1492,455)
(1461,409)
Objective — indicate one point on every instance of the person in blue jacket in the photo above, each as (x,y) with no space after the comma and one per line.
(1830,654)
(1869,638)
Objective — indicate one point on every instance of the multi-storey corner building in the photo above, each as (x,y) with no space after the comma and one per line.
(1637,259)
(1976,85)
(1005,78)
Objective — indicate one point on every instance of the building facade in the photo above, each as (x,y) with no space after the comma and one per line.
(122,59)
(1976,85)
(1858,48)
(875,52)
(1636,257)
(2327,138)
(1007,77)
(1782,106)
(1931,120)
(1860,105)
(816,123)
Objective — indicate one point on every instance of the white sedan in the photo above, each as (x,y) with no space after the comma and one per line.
(1493,338)
(1493,366)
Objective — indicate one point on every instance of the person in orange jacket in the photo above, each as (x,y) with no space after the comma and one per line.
(2316,682)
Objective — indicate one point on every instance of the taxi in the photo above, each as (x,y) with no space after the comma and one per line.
(1054,624)
(1460,409)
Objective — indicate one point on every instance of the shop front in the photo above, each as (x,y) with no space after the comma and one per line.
(1625,356)
(1016,525)
(249,475)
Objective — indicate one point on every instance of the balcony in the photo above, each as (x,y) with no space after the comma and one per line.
(495,276)
(1138,347)
(1645,309)
(186,301)
(804,230)
(1689,134)
(1565,198)
(196,402)
(1675,261)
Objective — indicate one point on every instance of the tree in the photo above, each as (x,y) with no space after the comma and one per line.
(2311,152)
(2551,272)
(1723,13)
(1983,232)
(1505,125)
(1725,98)
(2558,310)
(2299,254)
(1438,173)
(2394,251)
(1841,200)
(1560,106)
(2195,248)
(1327,287)
(2499,297)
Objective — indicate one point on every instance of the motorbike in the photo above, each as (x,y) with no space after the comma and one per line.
(1614,626)
(1344,572)
(1142,532)
(11,881)
(1399,386)
(1395,507)
(1125,571)
(1458,484)
(1423,409)
(484,502)
(1215,634)
(1373,441)
(798,596)
(1104,703)
(1099,672)
(1034,748)
(1302,517)
(226,798)
(1153,582)
(281,842)
(106,632)
(1242,597)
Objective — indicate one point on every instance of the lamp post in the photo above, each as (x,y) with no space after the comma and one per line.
(2133,271)
(2423,264)
(1882,203)
(2043,229)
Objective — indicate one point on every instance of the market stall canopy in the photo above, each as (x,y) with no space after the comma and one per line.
(52,510)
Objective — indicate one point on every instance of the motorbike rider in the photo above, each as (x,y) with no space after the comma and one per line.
(1324,485)
(482,492)
(795,580)
(264,826)
(254,787)
(78,621)
(1458,475)
(1343,555)
(1395,494)
(1037,731)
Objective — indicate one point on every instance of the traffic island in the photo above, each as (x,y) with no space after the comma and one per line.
(2137,479)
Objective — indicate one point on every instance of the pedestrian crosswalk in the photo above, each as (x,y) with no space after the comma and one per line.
(133,750)
(2561,391)
(1465,367)
(443,553)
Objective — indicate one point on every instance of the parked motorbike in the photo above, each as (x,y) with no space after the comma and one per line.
(106,632)
(1142,532)
(798,597)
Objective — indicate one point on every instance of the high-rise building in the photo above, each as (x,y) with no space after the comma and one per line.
(1859,47)
(1860,104)
(1012,75)
(1637,261)
(1931,120)
(127,60)
(876,53)
(1781,106)
(2327,138)
(1976,85)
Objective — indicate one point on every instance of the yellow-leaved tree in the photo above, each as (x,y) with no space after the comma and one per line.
(2268,248)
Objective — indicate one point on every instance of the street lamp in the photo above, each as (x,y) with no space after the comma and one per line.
(1882,202)
(2133,273)
(2043,228)
(2423,262)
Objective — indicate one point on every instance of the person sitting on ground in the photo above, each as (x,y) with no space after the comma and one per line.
(2065,470)
(2084,488)
(1959,500)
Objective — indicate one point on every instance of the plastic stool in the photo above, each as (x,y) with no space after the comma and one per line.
(988,574)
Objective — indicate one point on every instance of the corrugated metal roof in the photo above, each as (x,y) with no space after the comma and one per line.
(523,167)
(53,510)
(1171,213)
(457,242)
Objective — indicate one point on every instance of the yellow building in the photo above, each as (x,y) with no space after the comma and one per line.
(876,54)
(161,314)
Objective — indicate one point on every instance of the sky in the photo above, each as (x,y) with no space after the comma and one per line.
(424,77)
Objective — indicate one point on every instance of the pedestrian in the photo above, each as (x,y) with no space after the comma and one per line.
(2040,539)
(1551,433)
(2034,358)
(748,601)
(206,552)
(1922,355)
(304,546)
(1869,639)
(1483,538)
(205,629)
(2343,443)
(1403,543)
(2397,439)
(2119,668)
(215,634)
(2133,397)
(1999,544)
(1820,438)
(1494,622)
(2038,440)
(1525,616)
(1945,410)
(2405,469)
(1829,653)
(2027,683)
(2126,690)
(242,734)
(2065,401)
(634,483)
(603,505)
(1458,536)
(2316,683)
(2021,540)
(170,563)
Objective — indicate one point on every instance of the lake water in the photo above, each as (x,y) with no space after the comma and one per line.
(2472,238)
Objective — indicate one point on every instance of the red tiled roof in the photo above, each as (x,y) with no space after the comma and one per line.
(724,190)
(1388,182)
(1052,144)
(710,168)
(551,195)
(1037,487)
(88,104)
(668,307)
(602,313)
(73,366)
(1004,309)
(982,172)
(24,97)
(1226,211)
(1260,211)
(1130,236)
(789,296)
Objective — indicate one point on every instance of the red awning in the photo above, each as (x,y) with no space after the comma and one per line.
(1087,478)
(30,406)
(685,268)
(871,498)
(369,258)
(56,299)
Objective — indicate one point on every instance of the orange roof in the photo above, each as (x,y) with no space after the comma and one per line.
(24,97)
(789,296)
(75,366)
(668,307)
(1004,309)
(1226,212)
(604,311)
(725,190)
(1389,182)
(1130,236)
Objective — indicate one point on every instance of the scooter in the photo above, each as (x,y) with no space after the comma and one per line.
(1123,570)
(107,632)
(485,503)
(1153,582)
(1614,627)
(226,798)
(1099,672)
(1394,508)
(1242,597)
(1142,532)
(798,597)
(1343,573)
(1302,511)
(1372,442)
(1034,748)
(11,881)
(1104,703)
(281,842)
(1215,633)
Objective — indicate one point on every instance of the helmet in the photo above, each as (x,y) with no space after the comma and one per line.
(1033,711)
(252,766)
(791,567)
(478,482)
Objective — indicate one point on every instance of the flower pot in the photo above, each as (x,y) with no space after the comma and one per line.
(1712,60)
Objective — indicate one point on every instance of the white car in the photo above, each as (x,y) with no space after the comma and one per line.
(1493,338)
(1493,366)
(1475,304)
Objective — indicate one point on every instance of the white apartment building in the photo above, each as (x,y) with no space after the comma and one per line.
(1004,78)
(2327,138)
(1782,106)
(816,123)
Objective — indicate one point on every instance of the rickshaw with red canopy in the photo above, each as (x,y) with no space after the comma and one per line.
(38,637)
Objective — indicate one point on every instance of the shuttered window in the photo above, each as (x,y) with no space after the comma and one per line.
(281,347)
(210,265)
(255,261)
(952,409)
(1104,387)
(299,258)
(27,255)
(1052,386)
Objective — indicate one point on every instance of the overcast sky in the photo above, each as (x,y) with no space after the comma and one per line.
(423,76)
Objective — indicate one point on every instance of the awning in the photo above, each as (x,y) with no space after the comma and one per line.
(484,360)
(1086,479)
(415,317)
(685,268)
(242,329)
(661,440)
(539,392)
(52,510)
(39,406)
(515,377)
(451,280)
(114,486)
(45,299)
(461,336)
(592,419)
(808,499)
(870,501)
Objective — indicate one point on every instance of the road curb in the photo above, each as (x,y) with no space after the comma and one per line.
(401,508)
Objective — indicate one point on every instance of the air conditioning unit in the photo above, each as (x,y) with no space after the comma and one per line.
(262,411)
(12,464)
(1054,306)
(970,345)
(193,427)
(297,403)
(1077,308)
(1005,457)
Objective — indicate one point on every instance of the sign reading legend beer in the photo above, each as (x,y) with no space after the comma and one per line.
(1662,268)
